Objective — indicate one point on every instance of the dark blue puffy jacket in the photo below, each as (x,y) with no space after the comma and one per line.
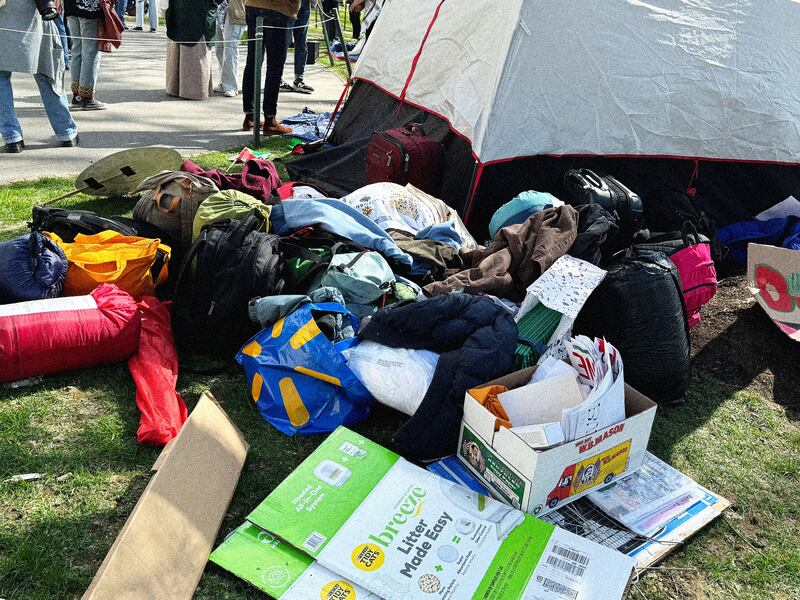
(32,267)
(476,339)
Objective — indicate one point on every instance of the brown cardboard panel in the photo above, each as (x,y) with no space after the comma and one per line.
(163,547)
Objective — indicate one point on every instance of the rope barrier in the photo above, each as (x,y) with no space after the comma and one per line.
(144,41)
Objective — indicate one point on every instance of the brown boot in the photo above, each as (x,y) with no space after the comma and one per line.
(247,125)
(272,127)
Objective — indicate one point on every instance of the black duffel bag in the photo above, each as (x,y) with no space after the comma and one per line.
(639,308)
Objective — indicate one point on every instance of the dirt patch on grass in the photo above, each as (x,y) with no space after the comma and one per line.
(739,345)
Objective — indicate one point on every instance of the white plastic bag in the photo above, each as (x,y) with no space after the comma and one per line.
(396,377)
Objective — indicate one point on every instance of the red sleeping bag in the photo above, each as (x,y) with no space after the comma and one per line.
(61,334)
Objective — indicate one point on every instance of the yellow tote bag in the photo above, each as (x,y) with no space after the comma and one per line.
(110,257)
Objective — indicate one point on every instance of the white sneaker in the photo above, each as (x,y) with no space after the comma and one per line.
(230,93)
(218,89)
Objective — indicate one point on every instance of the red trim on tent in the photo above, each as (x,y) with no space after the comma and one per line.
(419,52)
(659,156)
(468,208)
(427,110)
(339,103)
(570,155)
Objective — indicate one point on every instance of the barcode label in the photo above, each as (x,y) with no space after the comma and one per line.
(314,541)
(560,589)
(566,566)
(577,557)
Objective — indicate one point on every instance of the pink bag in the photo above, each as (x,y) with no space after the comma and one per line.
(698,278)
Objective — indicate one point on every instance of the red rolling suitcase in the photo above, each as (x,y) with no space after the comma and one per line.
(406,155)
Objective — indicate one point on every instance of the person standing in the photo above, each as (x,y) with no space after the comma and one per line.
(122,7)
(83,17)
(277,15)
(152,13)
(62,32)
(299,34)
(355,20)
(37,51)
(230,25)
(190,28)
(329,16)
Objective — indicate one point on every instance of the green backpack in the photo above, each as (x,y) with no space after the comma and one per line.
(229,204)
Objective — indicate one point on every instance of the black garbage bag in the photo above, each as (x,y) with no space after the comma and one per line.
(639,308)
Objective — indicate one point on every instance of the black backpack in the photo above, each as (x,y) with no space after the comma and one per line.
(229,263)
(66,224)
(674,210)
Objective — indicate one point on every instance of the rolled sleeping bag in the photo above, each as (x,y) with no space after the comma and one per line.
(61,334)
(32,267)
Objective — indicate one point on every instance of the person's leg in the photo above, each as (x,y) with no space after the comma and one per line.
(300,34)
(152,13)
(90,64)
(62,33)
(330,26)
(219,52)
(275,42)
(10,128)
(355,19)
(248,79)
(57,109)
(229,68)
(77,55)
(139,14)
(121,7)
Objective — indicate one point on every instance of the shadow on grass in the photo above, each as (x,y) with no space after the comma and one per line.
(748,348)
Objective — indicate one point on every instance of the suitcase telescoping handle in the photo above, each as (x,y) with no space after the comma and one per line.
(415,129)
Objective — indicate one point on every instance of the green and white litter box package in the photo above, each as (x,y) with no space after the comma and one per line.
(401,532)
(280,570)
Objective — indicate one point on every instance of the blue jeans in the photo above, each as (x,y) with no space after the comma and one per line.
(62,32)
(300,34)
(226,47)
(152,13)
(85,56)
(55,106)
(276,46)
(122,5)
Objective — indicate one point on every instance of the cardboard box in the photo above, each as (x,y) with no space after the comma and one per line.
(163,547)
(540,481)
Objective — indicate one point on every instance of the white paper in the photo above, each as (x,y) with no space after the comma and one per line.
(542,436)
(785,208)
(542,402)
(552,367)
(599,367)
(564,287)
(648,498)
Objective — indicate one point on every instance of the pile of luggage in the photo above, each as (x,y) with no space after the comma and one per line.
(320,298)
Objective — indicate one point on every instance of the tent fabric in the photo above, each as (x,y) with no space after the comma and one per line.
(680,78)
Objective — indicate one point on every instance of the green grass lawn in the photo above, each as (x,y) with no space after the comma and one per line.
(79,430)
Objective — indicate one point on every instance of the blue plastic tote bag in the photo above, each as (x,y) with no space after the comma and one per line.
(299,379)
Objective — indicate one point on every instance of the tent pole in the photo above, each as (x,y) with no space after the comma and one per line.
(470,191)
(259,45)
(344,44)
